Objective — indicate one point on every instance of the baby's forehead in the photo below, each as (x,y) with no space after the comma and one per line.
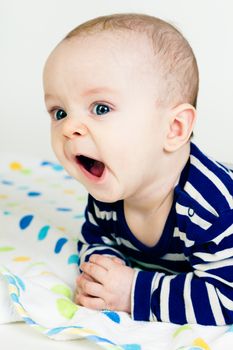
(115,40)
(101,59)
(108,47)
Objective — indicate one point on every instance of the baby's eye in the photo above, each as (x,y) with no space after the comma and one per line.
(59,114)
(101,109)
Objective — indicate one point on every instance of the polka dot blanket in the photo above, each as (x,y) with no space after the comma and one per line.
(41,211)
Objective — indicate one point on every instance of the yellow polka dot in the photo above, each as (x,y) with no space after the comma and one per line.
(13,289)
(21,258)
(61,228)
(3,196)
(200,342)
(15,166)
(67,191)
(46,273)
(81,332)
(20,309)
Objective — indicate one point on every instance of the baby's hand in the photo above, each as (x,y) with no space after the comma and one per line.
(83,276)
(105,284)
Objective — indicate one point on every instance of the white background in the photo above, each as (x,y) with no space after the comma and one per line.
(29,30)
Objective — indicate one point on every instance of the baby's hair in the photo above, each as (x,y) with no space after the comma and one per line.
(176,60)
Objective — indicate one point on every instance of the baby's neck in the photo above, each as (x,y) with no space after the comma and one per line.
(147,212)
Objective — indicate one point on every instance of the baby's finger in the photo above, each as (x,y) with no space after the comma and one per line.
(105,261)
(77,293)
(79,278)
(90,302)
(90,288)
(96,272)
(84,275)
(118,260)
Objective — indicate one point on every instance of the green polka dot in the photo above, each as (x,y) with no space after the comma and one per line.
(63,290)
(26,171)
(12,204)
(81,198)
(66,308)
(6,249)
(181,329)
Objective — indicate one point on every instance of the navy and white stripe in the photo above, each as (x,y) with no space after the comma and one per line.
(188,275)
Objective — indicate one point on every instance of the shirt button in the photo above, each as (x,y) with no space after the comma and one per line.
(190,212)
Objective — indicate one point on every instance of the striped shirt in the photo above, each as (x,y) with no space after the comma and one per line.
(187,277)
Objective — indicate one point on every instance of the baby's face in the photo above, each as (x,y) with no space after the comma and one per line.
(107,130)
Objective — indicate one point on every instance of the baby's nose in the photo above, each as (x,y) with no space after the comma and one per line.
(73,127)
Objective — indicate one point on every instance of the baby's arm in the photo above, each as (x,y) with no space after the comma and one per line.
(94,239)
(204,295)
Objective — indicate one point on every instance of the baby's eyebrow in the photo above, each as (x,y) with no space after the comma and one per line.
(48,96)
(98,90)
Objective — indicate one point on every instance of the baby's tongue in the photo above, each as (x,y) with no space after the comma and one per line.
(97,168)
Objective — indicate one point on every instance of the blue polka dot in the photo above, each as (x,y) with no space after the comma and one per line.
(131,347)
(80,216)
(25,221)
(34,194)
(29,320)
(64,209)
(57,167)
(60,243)
(54,166)
(20,282)
(68,177)
(6,182)
(43,232)
(73,259)
(112,315)
(96,338)
(56,330)
(11,280)
(45,163)
(14,297)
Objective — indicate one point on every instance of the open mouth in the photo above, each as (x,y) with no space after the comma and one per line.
(93,166)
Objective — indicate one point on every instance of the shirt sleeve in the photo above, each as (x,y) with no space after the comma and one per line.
(204,295)
(95,236)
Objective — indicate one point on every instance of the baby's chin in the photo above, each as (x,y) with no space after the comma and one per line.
(103,199)
(110,193)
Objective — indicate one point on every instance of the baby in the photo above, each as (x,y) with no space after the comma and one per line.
(157,241)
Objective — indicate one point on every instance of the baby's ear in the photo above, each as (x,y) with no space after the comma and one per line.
(180,126)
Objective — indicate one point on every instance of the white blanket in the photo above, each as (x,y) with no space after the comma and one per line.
(41,211)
